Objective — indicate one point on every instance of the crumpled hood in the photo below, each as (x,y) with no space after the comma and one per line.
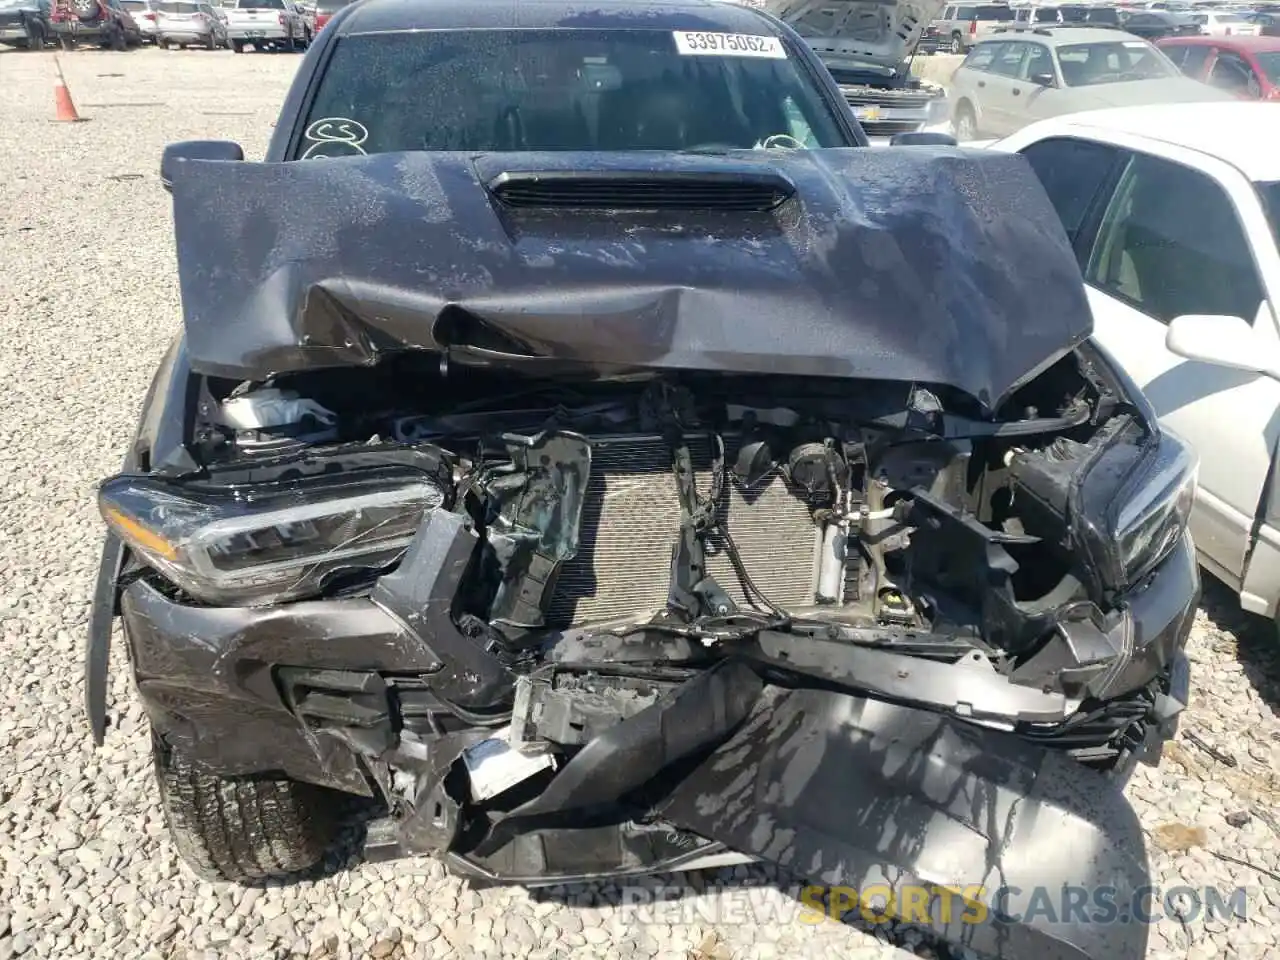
(936,265)
(846,32)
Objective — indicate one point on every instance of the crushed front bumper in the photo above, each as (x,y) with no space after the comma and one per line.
(839,787)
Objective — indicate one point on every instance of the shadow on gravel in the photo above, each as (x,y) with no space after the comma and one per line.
(1254,640)
(756,896)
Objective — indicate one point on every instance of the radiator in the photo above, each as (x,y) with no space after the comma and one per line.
(631,519)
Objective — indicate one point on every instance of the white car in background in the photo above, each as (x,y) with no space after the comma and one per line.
(1174,213)
(1222,23)
(144,12)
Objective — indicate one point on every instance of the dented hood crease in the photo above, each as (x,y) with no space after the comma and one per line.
(935,265)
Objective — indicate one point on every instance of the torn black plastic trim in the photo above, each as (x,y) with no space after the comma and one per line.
(699,713)
(852,792)
(422,593)
(102,613)
(537,505)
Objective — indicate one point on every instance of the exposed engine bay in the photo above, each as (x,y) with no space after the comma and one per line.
(611,538)
(690,507)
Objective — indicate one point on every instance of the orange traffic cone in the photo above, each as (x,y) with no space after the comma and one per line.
(64,108)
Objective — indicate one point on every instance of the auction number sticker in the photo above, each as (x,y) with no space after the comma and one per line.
(693,44)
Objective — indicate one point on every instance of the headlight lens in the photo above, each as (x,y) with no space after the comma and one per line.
(267,543)
(1153,508)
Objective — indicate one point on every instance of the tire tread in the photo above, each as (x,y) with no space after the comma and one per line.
(241,829)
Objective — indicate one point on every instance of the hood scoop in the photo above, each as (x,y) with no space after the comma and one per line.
(734,192)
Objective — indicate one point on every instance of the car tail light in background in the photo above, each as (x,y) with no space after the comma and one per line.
(321,20)
(1273,94)
(149,16)
(973,27)
(280,18)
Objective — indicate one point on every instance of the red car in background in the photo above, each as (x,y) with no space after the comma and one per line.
(1246,66)
(323,10)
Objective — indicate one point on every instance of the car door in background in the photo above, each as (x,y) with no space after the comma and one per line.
(1233,73)
(1167,241)
(1041,94)
(1002,90)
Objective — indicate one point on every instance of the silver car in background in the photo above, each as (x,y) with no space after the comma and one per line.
(144,13)
(184,23)
(1020,75)
(961,25)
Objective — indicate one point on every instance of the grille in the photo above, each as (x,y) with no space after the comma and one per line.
(889,99)
(911,107)
(631,518)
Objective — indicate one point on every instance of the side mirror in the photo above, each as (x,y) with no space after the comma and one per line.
(176,153)
(920,138)
(1044,80)
(1224,341)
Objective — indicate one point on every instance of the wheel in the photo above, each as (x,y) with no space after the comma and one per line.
(88,10)
(957,43)
(67,43)
(118,41)
(211,42)
(237,46)
(35,35)
(966,123)
(243,829)
(291,45)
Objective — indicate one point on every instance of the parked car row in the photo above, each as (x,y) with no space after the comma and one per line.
(174,24)
(960,25)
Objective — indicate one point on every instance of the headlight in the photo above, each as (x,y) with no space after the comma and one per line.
(1155,507)
(1144,518)
(265,543)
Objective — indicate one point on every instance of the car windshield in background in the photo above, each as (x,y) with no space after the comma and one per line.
(331,6)
(999,14)
(259,4)
(133,6)
(510,90)
(178,6)
(1112,61)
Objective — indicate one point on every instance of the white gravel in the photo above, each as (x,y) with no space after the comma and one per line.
(88,301)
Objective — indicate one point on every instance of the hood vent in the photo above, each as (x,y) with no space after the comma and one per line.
(737,192)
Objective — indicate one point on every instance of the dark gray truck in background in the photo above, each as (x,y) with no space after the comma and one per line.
(868,47)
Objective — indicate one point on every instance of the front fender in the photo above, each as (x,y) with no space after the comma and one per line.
(159,446)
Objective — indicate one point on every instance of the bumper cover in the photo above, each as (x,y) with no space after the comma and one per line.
(249,34)
(846,791)
(841,789)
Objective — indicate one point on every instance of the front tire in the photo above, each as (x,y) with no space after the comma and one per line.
(237,46)
(243,830)
(966,123)
(957,44)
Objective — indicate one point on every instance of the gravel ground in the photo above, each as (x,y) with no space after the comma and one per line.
(88,301)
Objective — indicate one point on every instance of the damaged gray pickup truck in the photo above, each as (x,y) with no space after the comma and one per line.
(669,490)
